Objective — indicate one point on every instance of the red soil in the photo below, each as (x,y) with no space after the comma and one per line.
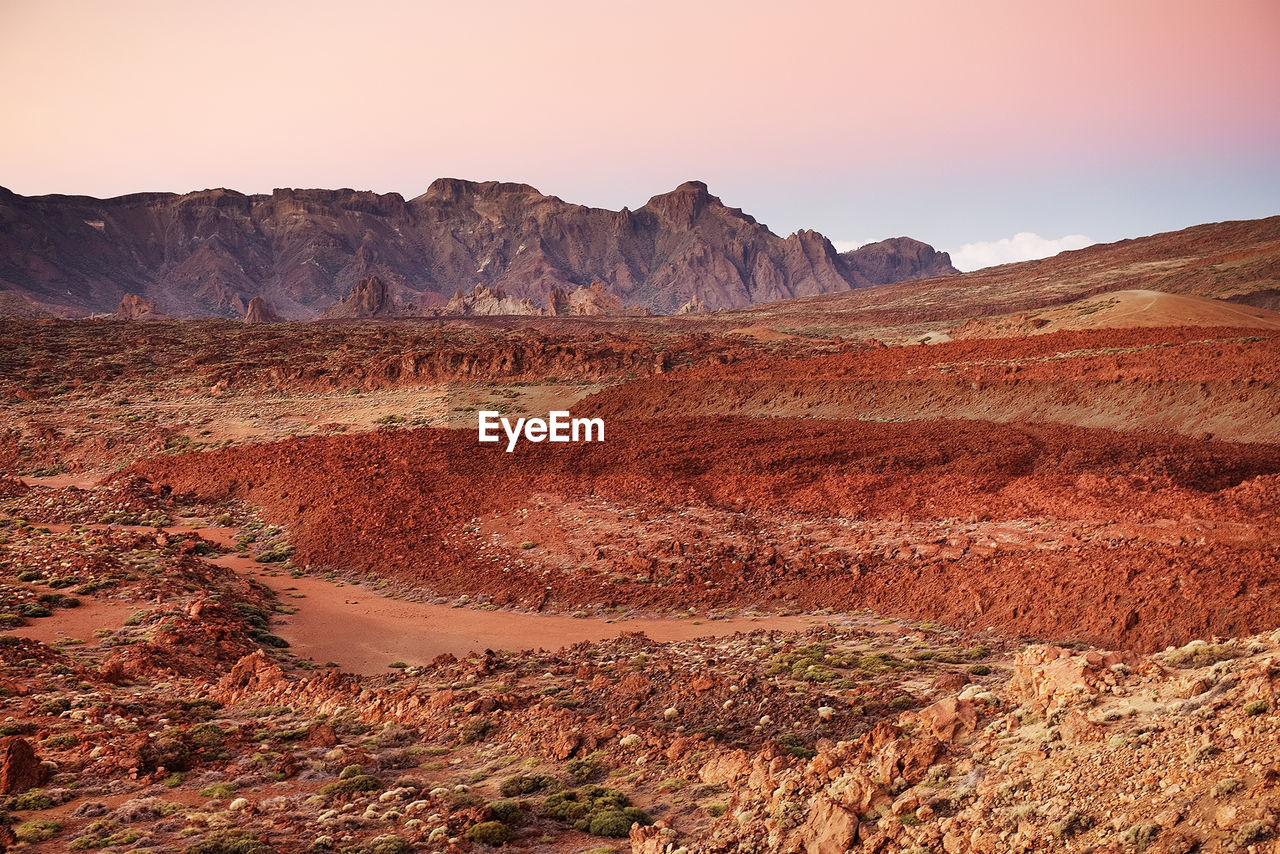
(1195,381)
(1061,532)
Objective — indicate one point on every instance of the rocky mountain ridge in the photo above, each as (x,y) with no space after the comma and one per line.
(210,253)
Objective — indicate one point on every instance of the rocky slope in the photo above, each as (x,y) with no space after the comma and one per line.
(209,253)
(1234,261)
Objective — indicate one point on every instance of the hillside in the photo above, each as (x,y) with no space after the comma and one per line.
(1234,261)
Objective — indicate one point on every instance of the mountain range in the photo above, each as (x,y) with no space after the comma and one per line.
(461,247)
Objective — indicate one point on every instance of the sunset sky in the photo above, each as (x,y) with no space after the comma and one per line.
(1015,127)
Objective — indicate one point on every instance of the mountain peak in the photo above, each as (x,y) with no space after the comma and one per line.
(682,206)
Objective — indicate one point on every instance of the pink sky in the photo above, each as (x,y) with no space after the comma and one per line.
(859,119)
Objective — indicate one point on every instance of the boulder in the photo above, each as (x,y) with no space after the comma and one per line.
(20,768)
(829,829)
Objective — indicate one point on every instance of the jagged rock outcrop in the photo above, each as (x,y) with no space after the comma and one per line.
(260,312)
(593,301)
(484,302)
(693,306)
(209,253)
(369,298)
(134,307)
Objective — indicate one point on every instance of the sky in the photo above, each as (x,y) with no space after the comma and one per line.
(996,130)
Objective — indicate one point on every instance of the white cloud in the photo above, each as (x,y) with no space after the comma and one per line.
(850,245)
(1023,246)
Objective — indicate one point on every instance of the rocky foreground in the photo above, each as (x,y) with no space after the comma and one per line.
(152,704)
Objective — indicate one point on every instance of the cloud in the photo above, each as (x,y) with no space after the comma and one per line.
(1023,246)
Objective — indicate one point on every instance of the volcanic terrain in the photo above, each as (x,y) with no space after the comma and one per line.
(978,563)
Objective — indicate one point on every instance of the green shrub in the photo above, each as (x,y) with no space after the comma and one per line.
(61,740)
(221,791)
(230,842)
(796,746)
(268,639)
(595,810)
(30,801)
(167,752)
(37,830)
(587,767)
(526,784)
(475,730)
(205,735)
(1256,707)
(1200,654)
(276,554)
(358,783)
(1072,823)
(616,824)
(1251,832)
(507,811)
(488,832)
(575,804)
(388,844)
(1140,836)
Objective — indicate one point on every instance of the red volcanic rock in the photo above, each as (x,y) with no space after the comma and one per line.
(829,829)
(949,718)
(949,681)
(20,768)
(321,735)
(134,307)
(260,312)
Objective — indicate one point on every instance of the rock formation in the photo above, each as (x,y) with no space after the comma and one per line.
(484,302)
(134,307)
(368,298)
(898,259)
(210,253)
(693,306)
(260,312)
(20,768)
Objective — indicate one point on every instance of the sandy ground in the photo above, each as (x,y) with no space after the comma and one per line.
(1121,310)
(77,623)
(80,480)
(363,632)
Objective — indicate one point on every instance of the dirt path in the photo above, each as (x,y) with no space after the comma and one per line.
(80,480)
(364,632)
(77,623)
